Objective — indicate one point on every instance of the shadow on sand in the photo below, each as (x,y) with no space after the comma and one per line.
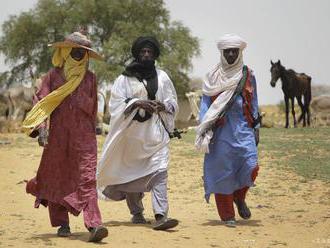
(49,237)
(238,223)
(130,224)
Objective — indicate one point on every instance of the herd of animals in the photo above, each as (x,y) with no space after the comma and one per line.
(18,100)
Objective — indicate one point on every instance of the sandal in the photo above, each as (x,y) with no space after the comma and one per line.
(138,219)
(165,223)
(97,234)
(64,231)
(230,222)
(243,209)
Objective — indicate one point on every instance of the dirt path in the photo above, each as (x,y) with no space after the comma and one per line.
(287,210)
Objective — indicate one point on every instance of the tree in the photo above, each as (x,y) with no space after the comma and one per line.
(112,25)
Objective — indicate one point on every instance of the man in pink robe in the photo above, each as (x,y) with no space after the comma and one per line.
(65,181)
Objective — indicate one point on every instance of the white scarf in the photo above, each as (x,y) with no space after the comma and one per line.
(223,78)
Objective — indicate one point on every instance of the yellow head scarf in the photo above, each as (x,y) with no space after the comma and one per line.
(74,72)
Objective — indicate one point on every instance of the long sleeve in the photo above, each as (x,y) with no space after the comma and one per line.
(87,96)
(170,102)
(255,106)
(94,97)
(204,106)
(120,99)
(43,91)
(119,102)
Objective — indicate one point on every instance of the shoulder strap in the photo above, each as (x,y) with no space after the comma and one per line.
(237,92)
(246,95)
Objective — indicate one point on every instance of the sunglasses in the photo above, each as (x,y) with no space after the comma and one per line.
(78,53)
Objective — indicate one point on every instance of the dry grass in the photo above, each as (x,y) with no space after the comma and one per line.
(289,208)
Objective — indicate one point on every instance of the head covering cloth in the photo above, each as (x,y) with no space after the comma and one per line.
(223,79)
(145,41)
(74,72)
(225,76)
(144,71)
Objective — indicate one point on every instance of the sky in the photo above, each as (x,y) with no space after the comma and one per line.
(295,31)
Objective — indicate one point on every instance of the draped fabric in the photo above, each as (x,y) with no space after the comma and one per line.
(233,153)
(141,70)
(225,76)
(66,174)
(145,72)
(216,111)
(223,79)
(135,149)
(74,73)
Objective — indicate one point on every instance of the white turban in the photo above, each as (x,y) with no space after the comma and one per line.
(225,76)
(231,41)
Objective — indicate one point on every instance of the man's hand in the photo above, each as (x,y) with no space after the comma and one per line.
(151,106)
(43,136)
(147,105)
(159,106)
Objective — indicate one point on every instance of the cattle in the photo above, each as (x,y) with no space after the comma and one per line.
(321,110)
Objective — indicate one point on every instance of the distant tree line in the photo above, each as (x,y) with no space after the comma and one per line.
(112,25)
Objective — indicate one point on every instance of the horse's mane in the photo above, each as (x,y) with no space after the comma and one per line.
(291,72)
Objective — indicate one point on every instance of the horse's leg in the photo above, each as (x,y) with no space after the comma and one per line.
(308,116)
(307,102)
(286,99)
(303,113)
(293,112)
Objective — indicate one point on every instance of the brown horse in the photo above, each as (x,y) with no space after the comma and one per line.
(294,85)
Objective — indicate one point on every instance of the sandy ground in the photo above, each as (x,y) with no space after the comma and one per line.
(287,210)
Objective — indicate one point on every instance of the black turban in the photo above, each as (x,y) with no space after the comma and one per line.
(145,41)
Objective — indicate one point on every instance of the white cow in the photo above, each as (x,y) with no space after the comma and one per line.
(194,98)
(321,110)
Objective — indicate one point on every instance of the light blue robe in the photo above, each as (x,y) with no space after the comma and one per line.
(233,151)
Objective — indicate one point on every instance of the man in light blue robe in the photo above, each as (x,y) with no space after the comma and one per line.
(228,131)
